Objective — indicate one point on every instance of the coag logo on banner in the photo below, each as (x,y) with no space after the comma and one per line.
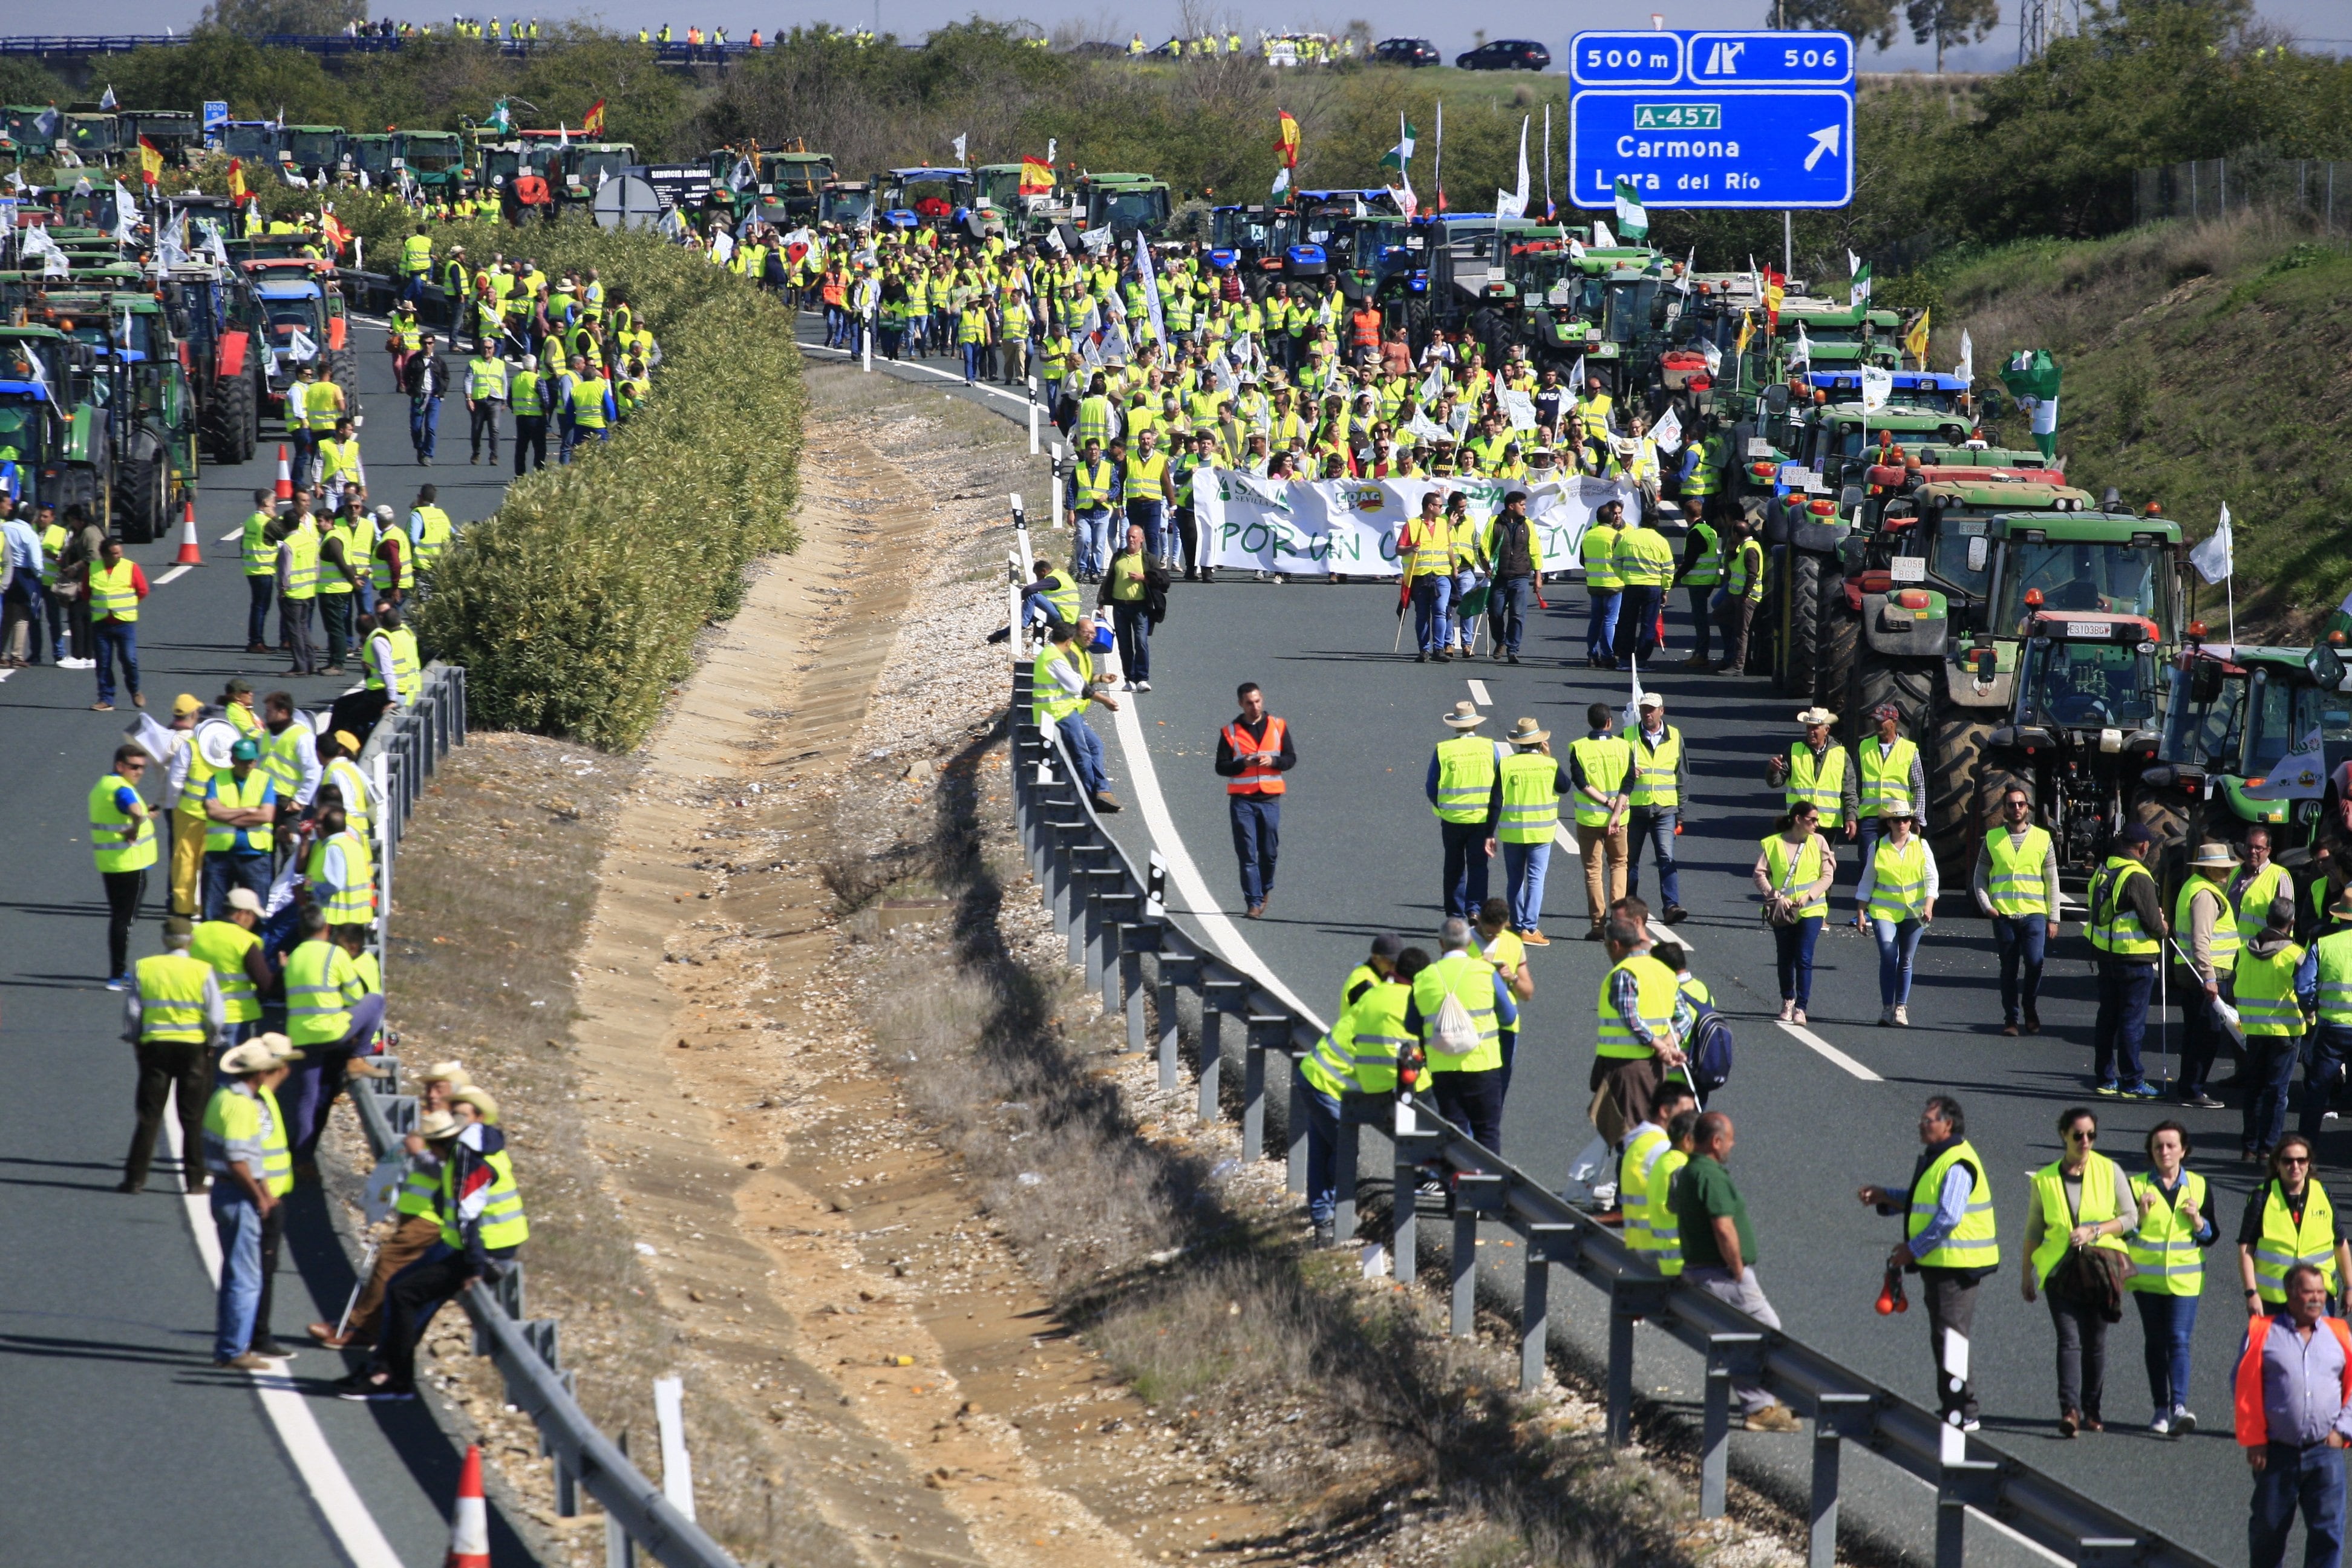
(1367,497)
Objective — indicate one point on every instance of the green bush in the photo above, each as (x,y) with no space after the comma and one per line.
(575,607)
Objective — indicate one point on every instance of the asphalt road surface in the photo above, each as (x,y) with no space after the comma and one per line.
(1818,1114)
(125,1444)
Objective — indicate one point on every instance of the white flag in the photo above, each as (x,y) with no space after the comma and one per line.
(1281,181)
(1877,387)
(959,146)
(2212,558)
(1714,353)
(1601,238)
(108,103)
(1853,265)
(1150,287)
(1802,354)
(1966,369)
(1669,433)
(300,348)
(1051,145)
(1510,204)
(1576,376)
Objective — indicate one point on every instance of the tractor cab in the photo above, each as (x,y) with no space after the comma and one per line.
(847,201)
(1127,205)
(934,199)
(2253,733)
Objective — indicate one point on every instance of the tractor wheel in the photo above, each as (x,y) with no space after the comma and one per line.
(1840,635)
(343,369)
(1803,664)
(1956,800)
(1910,686)
(230,430)
(1416,323)
(142,498)
(2170,859)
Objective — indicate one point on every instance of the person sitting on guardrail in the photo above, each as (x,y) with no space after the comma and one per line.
(417,1219)
(1358,1057)
(1061,683)
(1719,1252)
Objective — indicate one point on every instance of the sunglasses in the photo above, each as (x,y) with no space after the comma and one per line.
(2294,1159)
(2084,1135)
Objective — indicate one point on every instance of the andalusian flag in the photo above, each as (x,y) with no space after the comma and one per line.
(237,180)
(1398,156)
(593,125)
(1915,342)
(1036,177)
(1285,140)
(150,161)
(1858,293)
(1633,220)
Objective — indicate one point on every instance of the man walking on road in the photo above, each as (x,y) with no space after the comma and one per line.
(2293,1386)
(122,840)
(1655,803)
(2126,925)
(1743,590)
(486,392)
(1253,753)
(2205,928)
(174,1018)
(1719,1252)
(1599,767)
(1950,1239)
(2016,883)
(527,392)
(1891,779)
(116,586)
(1645,564)
(427,382)
(1815,770)
(259,549)
(1516,553)
(1598,551)
(1466,790)
(1131,590)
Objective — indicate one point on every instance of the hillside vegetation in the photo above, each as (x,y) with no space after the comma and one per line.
(2204,363)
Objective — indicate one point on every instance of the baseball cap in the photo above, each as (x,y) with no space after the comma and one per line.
(185,703)
(1388,944)
(244,899)
(2135,833)
(1651,700)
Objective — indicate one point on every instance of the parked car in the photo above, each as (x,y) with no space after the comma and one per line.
(1507,55)
(1408,52)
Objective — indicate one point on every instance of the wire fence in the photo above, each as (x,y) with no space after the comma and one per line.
(1144,965)
(2216,187)
(399,758)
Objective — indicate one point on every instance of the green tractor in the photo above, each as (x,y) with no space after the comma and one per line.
(53,438)
(135,380)
(2253,735)
(436,160)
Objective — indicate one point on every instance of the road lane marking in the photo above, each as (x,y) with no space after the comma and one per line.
(174,574)
(289,1409)
(1807,1037)
(231,536)
(1478,694)
(927,370)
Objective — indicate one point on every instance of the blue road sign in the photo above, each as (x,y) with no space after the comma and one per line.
(1741,120)
(215,113)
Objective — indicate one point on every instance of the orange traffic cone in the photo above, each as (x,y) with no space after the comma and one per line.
(469,1522)
(285,474)
(192,552)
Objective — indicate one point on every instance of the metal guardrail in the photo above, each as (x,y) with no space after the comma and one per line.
(1113,916)
(399,758)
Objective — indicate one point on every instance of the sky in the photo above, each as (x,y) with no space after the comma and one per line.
(2323,24)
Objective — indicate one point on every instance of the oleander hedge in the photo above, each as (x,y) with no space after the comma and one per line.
(575,607)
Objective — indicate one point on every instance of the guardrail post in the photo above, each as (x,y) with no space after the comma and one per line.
(1727,1355)
(1085,863)
(1546,1245)
(1631,1299)
(1476,1194)
(1835,1418)
(1348,1162)
(1413,1145)
(1294,1128)
(1966,1483)
(507,1291)
(1218,997)
(620,1552)
(1267,1032)
(1107,900)
(1174,969)
(1136,938)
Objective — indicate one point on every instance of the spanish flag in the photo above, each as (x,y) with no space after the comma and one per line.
(1036,177)
(150,161)
(1776,289)
(1285,140)
(237,180)
(1915,342)
(593,125)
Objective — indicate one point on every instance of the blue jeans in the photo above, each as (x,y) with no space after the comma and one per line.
(238,1224)
(2122,1023)
(2166,1326)
(1511,599)
(1133,629)
(1600,632)
(258,592)
(1257,840)
(1322,1149)
(2326,1048)
(423,423)
(1430,595)
(2020,938)
(1897,942)
(1637,623)
(1465,867)
(226,869)
(972,353)
(2311,1479)
(1457,625)
(1093,542)
(1792,952)
(1147,515)
(1524,865)
(2268,1067)
(1701,623)
(1654,826)
(110,638)
(1086,754)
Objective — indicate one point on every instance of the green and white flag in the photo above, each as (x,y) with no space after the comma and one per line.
(1398,156)
(1858,295)
(1633,220)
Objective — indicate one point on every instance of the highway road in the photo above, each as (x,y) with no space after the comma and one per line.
(125,1444)
(1819,1112)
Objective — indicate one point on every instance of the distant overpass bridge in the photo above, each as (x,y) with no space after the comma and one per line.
(72,55)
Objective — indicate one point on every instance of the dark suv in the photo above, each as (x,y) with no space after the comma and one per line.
(1507,55)
(1408,52)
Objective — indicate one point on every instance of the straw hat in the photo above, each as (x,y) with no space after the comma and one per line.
(1466,716)
(1812,716)
(1525,733)
(2214,854)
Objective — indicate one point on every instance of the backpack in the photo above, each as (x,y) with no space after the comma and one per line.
(1708,1050)
(1456,1033)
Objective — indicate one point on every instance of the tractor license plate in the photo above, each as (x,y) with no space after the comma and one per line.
(2089,629)
(1908,569)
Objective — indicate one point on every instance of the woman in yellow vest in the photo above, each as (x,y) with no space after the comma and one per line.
(1896,903)
(2289,1220)
(2081,1204)
(2168,1271)
(1794,871)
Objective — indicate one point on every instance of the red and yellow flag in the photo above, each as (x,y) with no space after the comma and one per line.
(1776,289)
(1036,177)
(150,161)
(237,179)
(1285,140)
(331,230)
(593,125)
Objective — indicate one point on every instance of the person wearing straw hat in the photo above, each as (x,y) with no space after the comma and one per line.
(1532,784)
(1464,787)
(244,1144)
(1896,902)
(2205,936)
(1813,772)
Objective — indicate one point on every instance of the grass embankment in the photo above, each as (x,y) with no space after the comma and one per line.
(575,607)
(2204,362)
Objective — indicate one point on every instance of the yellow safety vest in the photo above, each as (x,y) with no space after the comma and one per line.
(406,679)
(355,558)
(1530,798)
(260,551)
(433,536)
(1665,1226)
(2013,880)
(1470,980)
(1806,871)
(1062,593)
(117,845)
(2224,954)
(1642,1151)
(111,592)
(2266,1004)
(2166,1258)
(1898,890)
(1360,1054)
(588,403)
(1643,559)
(220,838)
(1706,567)
(1885,775)
(1466,778)
(523,390)
(321,984)
(2283,1243)
(1974,1242)
(171,997)
(1598,551)
(1822,782)
(277,1159)
(2254,902)
(2102,1179)
(2334,952)
(486,378)
(1745,579)
(223,944)
(354,904)
(302,561)
(1655,768)
(1654,999)
(2114,928)
(1049,705)
(502,1222)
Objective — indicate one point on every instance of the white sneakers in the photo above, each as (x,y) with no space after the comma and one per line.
(1902,1016)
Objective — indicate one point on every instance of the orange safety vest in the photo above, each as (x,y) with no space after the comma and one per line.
(2254,1428)
(1258,778)
(1364,329)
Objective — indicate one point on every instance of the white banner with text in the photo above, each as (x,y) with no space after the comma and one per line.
(1348,527)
